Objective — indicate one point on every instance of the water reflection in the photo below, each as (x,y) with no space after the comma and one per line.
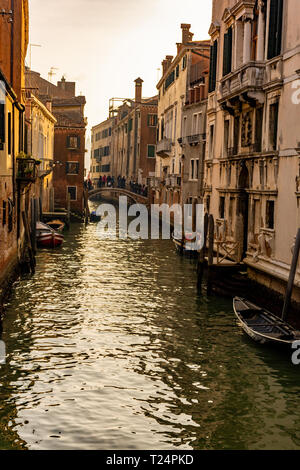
(110,347)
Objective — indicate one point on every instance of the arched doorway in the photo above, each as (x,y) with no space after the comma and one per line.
(243,209)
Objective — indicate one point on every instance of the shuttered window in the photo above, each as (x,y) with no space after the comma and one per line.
(275,28)
(2,123)
(227,56)
(151,151)
(213,66)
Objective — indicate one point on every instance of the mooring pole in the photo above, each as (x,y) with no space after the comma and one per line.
(210,257)
(291,280)
(201,255)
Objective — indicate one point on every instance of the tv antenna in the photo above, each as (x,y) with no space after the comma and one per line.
(51,73)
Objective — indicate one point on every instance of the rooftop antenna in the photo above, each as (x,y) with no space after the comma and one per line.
(51,73)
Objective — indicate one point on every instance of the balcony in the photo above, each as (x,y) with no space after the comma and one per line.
(247,80)
(26,170)
(173,181)
(164,148)
(195,139)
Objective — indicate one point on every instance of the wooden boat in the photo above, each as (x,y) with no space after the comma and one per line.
(47,237)
(262,325)
(57,225)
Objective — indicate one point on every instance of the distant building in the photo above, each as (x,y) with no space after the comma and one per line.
(39,143)
(183,86)
(125,144)
(101,152)
(69,142)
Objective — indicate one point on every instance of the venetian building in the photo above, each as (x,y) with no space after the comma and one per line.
(252,156)
(181,86)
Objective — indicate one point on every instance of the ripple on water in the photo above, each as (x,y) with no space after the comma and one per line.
(110,347)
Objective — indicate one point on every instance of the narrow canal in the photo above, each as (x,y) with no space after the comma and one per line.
(109,347)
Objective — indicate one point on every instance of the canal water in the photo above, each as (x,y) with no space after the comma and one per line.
(110,347)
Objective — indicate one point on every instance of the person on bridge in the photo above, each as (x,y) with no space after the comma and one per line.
(112,182)
(104,180)
(100,182)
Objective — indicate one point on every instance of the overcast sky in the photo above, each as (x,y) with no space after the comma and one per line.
(104,45)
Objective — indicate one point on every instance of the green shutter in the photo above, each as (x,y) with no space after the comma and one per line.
(229,50)
(151,151)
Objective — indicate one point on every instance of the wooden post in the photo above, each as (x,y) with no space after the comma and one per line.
(210,258)
(201,255)
(291,280)
(28,239)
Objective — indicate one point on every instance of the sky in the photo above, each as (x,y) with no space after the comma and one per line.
(104,45)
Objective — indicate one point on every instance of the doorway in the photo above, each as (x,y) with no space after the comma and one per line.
(243,210)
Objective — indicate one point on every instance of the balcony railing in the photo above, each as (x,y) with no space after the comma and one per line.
(195,139)
(27,170)
(249,76)
(173,181)
(164,147)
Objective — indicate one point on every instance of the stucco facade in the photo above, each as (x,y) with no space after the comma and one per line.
(252,155)
(101,152)
(182,80)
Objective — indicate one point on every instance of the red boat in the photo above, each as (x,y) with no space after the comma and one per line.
(46,237)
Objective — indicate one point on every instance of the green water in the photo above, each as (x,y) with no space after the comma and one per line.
(110,347)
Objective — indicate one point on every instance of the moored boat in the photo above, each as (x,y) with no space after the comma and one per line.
(183,245)
(47,237)
(57,225)
(263,326)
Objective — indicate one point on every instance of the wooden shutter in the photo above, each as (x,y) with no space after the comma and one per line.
(225,55)
(275,28)
(210,88)
(2,123)
(229,50)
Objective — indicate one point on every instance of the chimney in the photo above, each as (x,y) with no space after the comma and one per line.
(67,87)
(169,59)
(164,66)
(138,90)
(185,33)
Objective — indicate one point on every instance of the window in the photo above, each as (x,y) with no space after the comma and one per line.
(9,133)
(275,28)
(270,209)
(184,62)
(72,168)
(254,34)
(177,71)
(211,140)
(227,56)
(222,207)
(72,190)
(169,80)
(226,137)
(273,125)
(4,213)
(2,124)
(130,125)
(213,66)
(152,120)
(151,151)
(105,168)
(184,127)
(194,169)
(73,142)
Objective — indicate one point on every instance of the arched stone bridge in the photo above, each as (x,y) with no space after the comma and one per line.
(116,192)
